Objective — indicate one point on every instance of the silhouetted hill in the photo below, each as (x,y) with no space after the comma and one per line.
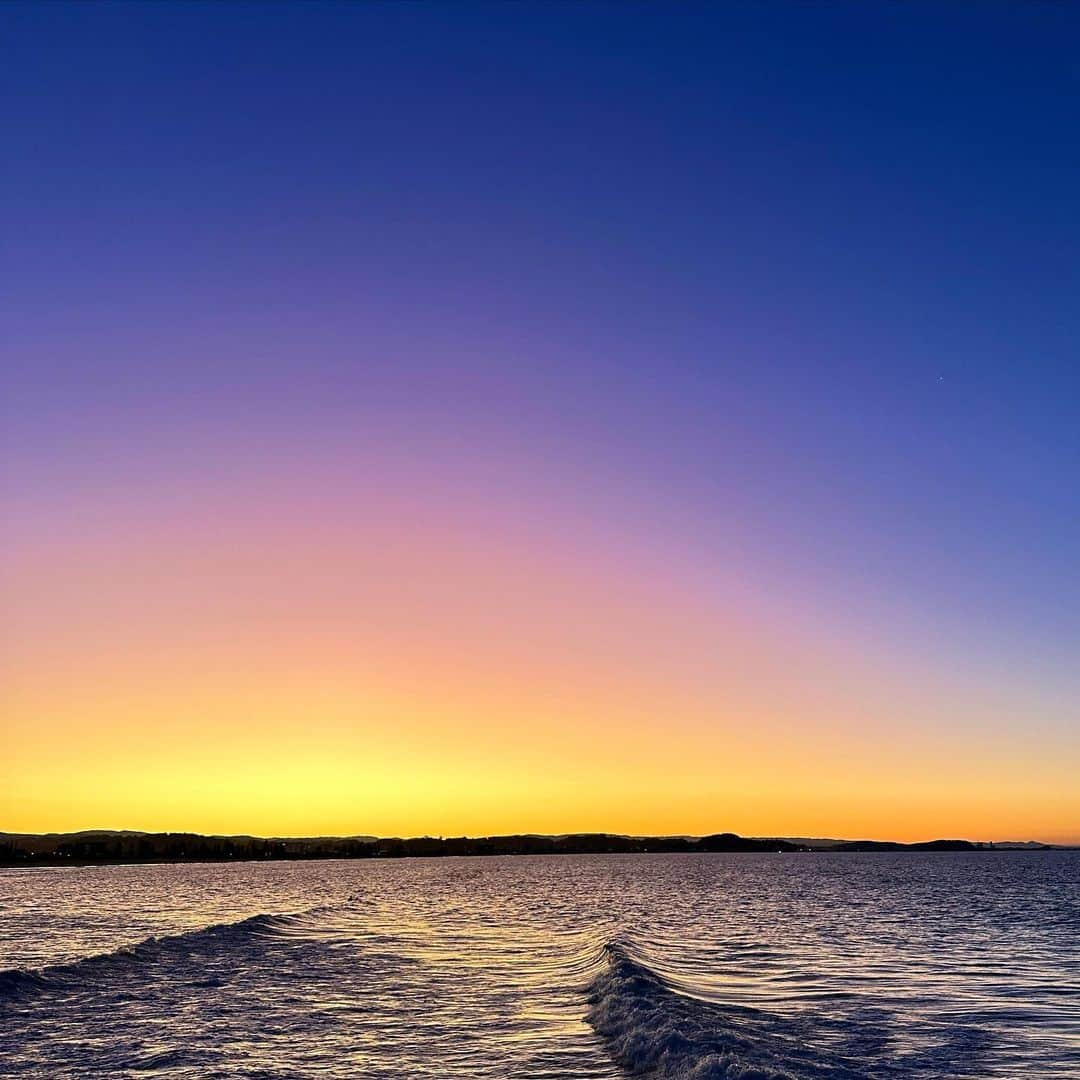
(732,842)
(885,845)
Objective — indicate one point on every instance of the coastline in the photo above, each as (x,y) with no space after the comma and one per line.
(104,848)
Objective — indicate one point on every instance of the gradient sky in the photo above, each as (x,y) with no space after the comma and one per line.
(486,418)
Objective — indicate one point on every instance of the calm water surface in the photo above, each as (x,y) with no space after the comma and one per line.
(695,966)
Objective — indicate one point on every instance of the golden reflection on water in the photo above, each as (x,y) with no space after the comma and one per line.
(549,967)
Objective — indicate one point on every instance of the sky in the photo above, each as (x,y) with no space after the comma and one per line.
(480,418)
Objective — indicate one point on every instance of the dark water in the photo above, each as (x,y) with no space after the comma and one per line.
(690,966)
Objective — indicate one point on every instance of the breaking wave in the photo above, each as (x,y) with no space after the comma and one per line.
(654,1026)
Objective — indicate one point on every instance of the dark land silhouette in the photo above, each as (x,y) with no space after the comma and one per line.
(103,846)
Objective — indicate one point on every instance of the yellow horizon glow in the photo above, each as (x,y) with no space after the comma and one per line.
(428,677)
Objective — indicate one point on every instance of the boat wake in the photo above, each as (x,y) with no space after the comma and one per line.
(652,1026)
(648,1022)
(16,983)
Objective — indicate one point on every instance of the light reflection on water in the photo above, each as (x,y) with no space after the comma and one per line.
(922,965)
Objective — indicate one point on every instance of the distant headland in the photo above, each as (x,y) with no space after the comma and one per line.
(98,846)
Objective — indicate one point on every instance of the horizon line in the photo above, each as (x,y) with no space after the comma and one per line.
(806,836)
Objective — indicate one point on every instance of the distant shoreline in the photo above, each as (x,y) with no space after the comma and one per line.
(101,848)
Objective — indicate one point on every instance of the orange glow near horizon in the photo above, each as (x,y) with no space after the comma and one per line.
(406,673)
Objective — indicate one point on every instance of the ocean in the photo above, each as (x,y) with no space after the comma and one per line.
(691,966)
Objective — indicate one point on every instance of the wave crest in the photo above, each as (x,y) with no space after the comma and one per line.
(20,982)
(651,1028)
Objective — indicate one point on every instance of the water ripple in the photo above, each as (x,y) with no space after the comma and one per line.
(704,966)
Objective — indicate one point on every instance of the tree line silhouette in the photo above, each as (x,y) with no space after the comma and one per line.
(132,847)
